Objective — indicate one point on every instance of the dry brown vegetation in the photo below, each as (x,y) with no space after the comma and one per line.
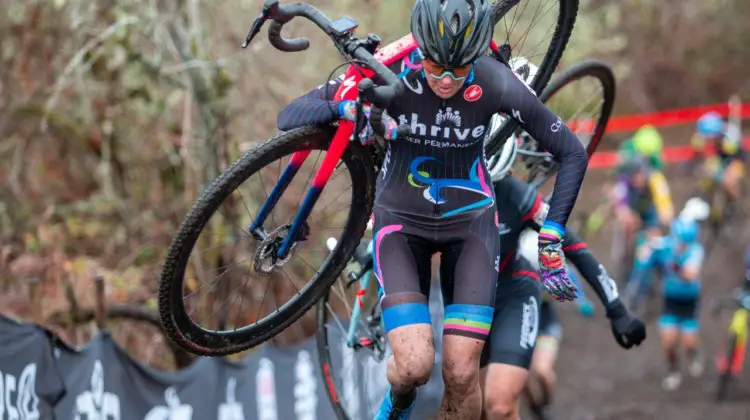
(114,116)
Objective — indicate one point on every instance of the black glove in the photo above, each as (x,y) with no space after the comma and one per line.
(628,330)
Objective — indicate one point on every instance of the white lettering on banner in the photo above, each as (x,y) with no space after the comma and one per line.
(530,323)
(265,389)
(608,284)
(517,116)
(232,409)
(436,131)
(349,397)
(305,388)
(174,410)
(26,406)
(96,404)
(348,84)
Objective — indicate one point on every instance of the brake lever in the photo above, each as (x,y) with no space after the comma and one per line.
(257,25)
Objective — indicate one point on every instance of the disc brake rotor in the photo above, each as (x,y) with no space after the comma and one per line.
(266,259)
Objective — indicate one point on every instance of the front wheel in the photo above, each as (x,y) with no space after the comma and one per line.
(352,359)
(214,243)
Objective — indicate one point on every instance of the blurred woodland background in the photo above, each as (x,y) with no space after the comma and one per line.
(114,115)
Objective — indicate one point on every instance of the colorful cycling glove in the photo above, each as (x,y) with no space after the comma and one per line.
(552,263)
(348,110)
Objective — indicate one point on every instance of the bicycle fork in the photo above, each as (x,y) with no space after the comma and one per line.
(351,335)
(335,151)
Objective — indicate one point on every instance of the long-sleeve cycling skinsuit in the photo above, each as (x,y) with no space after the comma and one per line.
(434,195)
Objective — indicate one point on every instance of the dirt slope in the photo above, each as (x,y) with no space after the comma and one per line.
(599,380)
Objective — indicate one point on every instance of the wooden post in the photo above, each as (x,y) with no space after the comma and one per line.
(32,284)
(100,314)
(74,313)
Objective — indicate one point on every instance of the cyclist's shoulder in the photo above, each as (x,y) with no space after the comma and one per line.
(492,67)
(497,76)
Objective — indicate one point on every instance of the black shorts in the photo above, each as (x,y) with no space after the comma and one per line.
(516,320)
(470,255)
(680,314)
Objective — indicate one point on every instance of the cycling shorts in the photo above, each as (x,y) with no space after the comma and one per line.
(680,314)
(649,218)
(469,257)
(516,320)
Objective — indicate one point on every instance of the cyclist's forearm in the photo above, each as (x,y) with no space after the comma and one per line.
(554,136)
(577,253)
(313,108)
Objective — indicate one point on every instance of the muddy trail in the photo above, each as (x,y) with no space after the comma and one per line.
(599,380)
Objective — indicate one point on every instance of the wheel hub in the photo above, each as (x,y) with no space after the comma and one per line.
(266,259)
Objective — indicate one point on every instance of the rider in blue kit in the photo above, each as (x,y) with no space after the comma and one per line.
(680,258)
(434,194)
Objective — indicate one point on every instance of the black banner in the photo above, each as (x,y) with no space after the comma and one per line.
(30,385)
(102,382)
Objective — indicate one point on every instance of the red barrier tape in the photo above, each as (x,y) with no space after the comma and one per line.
(659,119)
(671,154)
(671,117)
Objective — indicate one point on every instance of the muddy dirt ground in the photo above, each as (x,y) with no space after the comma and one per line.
(599,380)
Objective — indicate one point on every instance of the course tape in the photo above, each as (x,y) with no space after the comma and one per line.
(625,123)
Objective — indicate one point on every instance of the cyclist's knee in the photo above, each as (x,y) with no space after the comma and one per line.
(503,387)
(543,362)
(461,363)
(407,320)
(501,407)
(413,355)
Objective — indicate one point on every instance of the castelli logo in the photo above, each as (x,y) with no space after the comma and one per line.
(473,93)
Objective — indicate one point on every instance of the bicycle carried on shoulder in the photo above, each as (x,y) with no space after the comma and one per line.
(266,252)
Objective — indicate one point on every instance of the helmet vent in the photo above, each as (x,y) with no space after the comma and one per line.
(455,23)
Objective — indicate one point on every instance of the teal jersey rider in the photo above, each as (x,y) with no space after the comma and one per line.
(684,252)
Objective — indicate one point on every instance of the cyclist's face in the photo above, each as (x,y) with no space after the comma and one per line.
(444,87)
(445,83)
